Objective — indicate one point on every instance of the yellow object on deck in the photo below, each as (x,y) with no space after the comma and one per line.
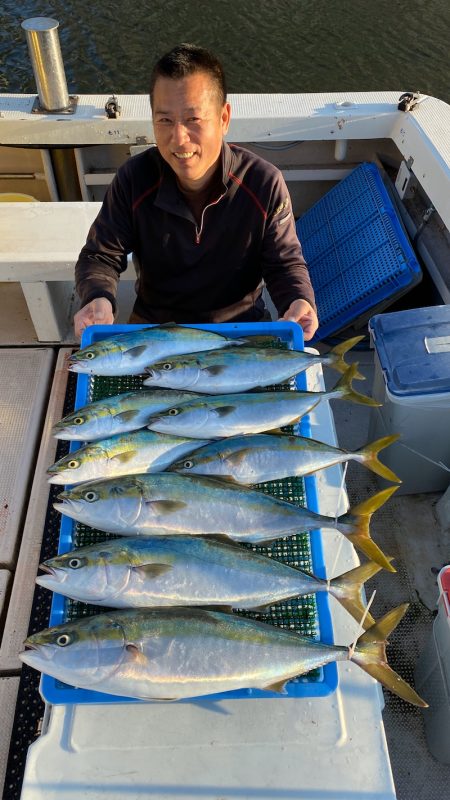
(17,197)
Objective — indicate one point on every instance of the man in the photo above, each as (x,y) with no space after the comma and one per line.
(207,222)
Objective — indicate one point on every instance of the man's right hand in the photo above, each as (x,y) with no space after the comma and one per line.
(97,312)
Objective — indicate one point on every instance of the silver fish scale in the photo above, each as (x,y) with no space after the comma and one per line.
(297,614)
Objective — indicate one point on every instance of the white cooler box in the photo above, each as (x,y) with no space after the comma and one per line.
(432,676)
(412,380)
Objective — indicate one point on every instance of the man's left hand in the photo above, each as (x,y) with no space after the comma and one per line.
(302,312)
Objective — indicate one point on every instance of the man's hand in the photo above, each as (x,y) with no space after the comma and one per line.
(97,312)
(302,312)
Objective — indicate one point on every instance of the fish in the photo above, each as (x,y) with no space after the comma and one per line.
(129,353)
(167,503)
(119,414)
(179,653)
(238,369)
(261,457)
(123,454)
(219,416)
(191,571)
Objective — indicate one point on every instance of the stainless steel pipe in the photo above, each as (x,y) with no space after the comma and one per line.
(45,52)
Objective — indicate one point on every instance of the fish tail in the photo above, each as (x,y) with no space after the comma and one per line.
(370,655)
(346,588)
(369,457)
(355,526)
(335,357)
(345,390)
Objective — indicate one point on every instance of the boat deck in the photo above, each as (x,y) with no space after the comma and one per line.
(406,528)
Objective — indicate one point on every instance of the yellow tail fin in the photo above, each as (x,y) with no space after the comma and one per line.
(369,457)
(346,588)
(355,526)
(345,390)
(335,357)
(370,655)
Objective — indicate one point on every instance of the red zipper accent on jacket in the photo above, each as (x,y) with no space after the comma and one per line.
(145,194)
(249,192)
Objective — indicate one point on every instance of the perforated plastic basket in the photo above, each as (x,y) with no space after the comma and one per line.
(309,616)
(358,254)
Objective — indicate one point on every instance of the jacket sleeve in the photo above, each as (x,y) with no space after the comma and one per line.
(283,266)
(110,239)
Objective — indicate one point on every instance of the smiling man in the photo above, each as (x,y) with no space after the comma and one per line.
(208,222)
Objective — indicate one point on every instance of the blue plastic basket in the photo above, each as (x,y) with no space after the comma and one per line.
(326,679)
(358,254)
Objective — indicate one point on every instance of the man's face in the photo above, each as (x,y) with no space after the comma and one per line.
(189,125)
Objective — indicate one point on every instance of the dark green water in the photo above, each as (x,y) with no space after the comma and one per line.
(266,46)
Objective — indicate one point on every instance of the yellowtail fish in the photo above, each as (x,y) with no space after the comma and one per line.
(191,571)
(260,457)
(119,414)
(186,652)
(238,369)
(168,503)
(124,454)
(218,416)
(129,353)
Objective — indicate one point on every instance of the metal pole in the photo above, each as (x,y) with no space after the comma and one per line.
(46,59)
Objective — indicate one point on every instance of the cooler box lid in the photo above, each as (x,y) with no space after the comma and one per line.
(413,347)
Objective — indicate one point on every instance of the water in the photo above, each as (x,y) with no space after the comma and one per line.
(265,45)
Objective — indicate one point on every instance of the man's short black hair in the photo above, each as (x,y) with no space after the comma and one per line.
(186,59)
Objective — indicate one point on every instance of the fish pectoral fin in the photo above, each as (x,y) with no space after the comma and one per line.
(125,457)
(166,506)
(126,416)
(277,686)
(136,352)
(239,456)
(152,570)
(136,653)
(214,369)
(223,411)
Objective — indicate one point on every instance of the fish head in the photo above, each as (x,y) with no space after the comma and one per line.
(209,460)
(98,358)
(84,652)
(84,424)
(92,574)
(179,373)
(223,459)
(111,505)
(76,467)
(187,419)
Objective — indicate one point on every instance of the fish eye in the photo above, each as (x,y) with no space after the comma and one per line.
(167,366)
(89,354)
(173,412)
(73,464)
(63,639)
(78,421)
(188,464)
(90,496)
(75,563)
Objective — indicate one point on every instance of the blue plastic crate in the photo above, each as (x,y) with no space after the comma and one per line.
(358,254)
(326,679)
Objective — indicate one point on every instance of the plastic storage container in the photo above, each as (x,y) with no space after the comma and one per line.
(359,256)
(412,380)
(432,676)
(319,683)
